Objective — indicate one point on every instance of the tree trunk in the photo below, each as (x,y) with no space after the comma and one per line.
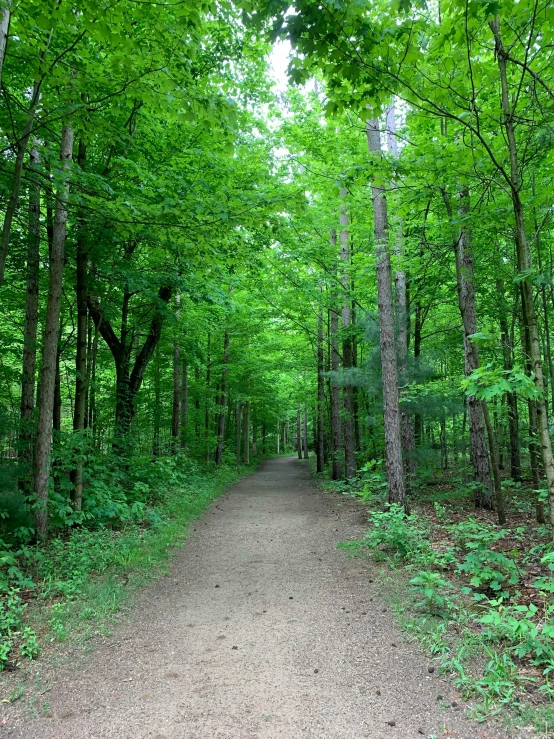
(479,453)
(336,434)
(238,434)
(305,434)
(418,325)
(156,449)
(50,344)
(511,398)
(524,265)
(406,426)
(348,420)
(320,396)
(184,406)
(207,399)
(298,433)
(246,433)
(175,425)
(27,430)
(128,381)
(391,409)
(81,379)
(468,313)
(223,401)
(92,421)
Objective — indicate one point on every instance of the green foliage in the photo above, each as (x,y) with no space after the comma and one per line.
(77,576)
(524,633)
(432,587)
(486,568)
(394,533)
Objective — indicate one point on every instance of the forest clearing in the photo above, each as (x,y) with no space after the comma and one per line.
(239,230)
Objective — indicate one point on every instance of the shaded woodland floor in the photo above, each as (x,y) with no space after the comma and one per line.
(261,629)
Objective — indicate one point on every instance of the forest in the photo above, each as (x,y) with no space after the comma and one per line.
(205,262)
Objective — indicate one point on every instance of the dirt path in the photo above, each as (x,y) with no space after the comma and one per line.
(261,630)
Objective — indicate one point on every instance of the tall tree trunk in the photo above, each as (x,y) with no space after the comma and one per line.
(246,433)
(305,434)
(320,395)
(298,433)
(197,402)
(479,453)
(223,401)
(184,405)
(27,430)
(524,265)
(401,293)
(391,409)
(50,344)
(336,434)
(418,325)
(156,448)
(511,398)
(468,313)
(348,420)
(81,379)
(207,399)
(175,414)
(238,434)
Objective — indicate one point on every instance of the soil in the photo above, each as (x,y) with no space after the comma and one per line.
(262,629)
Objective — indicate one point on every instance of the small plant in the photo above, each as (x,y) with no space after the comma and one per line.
(440,512)
(393,532)
(431,587)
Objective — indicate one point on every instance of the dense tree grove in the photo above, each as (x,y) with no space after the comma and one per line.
(196,266)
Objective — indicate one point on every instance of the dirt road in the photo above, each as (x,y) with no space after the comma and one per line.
(262,630)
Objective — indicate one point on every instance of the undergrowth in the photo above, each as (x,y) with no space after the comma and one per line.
(479,597)
(74,584)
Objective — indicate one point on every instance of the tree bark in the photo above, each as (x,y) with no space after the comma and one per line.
(305,434)
(298,433)
(320,395)
(175,414)
(156,448)
(246,433)
(391,409)
(336,434)
(223,401)
(406,425)
(511,398)
(479,453)
(27,431)
(50,344)
(184,404)
(81,378)
(524,264)
(348,404)
(466,303)
(238,434)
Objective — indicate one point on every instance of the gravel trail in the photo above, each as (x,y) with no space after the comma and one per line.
(261,630)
